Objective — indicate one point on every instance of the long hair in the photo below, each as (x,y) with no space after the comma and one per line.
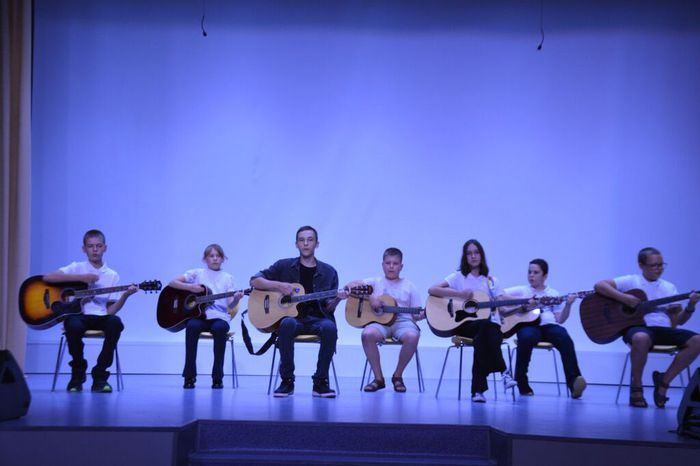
(464,265)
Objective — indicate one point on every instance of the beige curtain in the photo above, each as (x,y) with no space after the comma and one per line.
(15,166)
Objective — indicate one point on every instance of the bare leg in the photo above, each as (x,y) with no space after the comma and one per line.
(641,343)
(370,342)
(683,359)
(409,343)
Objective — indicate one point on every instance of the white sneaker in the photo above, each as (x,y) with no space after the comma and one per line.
(508,381)
(478,398)
(577,387)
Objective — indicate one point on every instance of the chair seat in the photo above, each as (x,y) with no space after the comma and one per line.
(462,341)
(666,349)
(307,339)
(209,335)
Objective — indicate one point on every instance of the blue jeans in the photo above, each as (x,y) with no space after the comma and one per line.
(219,329)
(528,337)
(290,327)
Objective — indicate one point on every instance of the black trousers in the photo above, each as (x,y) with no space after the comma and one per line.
(76,326)
(488,358)
(219,329)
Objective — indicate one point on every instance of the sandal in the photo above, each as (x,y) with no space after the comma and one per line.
(637,397)
(659,399)
(398,384)
(376,384)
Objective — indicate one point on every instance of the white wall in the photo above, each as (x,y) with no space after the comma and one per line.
(409,124)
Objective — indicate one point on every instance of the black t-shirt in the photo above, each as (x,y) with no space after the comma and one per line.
(306,278)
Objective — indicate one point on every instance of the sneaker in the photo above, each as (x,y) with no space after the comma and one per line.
(101,387)
(508,381)
(285,389)
(525,389)
(577,387)
(217,384)
(322,389)
(478,398)
(189,382)
(75,384)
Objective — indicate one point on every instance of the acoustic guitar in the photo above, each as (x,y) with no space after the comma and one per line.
(176,307)
(513,319)
(359,312)
(267,308)
(446,314)
(43,305)
(605,319)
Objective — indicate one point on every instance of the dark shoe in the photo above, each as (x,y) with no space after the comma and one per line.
(77,378)
(189,382)
(577,387)
(659,399)
(525,389)
(399,386)
(322,389)
(376,384)
(285,389)
(99,381)
(217,384)
(101,387)
(75,384)
(637,397)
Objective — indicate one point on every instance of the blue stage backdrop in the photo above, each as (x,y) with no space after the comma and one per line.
(412,124)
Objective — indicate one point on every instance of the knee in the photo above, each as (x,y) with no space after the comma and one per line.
(370,335)
(74,327)
(287,326)
(220,328)
(410,339)
(114,324)
(529,338)
(694,343)
(640,341)
(329,330)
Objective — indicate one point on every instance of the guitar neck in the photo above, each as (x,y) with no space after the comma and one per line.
(213,297)
(668,299)
(401,310)
(98,291)
(507,302)
(314,296)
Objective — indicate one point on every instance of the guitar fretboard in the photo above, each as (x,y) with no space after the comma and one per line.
(214,297)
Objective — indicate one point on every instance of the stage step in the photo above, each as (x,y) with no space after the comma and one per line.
(235,443)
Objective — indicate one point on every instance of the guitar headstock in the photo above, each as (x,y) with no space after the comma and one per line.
(361,290)
(150,285)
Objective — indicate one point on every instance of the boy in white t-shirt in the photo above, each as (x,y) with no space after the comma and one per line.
(660,328)
(549,329)
(98,312)
(403,328)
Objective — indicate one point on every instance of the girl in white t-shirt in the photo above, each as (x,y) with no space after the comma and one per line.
(473,275)
(217,315)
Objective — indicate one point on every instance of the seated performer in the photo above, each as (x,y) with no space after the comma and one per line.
(402,329)
(98,312)
(549,330)
(473,275)
(216,318)
(661,325)
(315,317)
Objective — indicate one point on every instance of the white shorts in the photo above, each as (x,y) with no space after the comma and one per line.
(396,330)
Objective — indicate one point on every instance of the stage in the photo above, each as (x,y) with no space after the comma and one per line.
(154,421)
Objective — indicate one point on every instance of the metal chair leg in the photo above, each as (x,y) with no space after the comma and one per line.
(556,374)
(447,353)
(234,369)
(272,368)
(120,379)
(622,377)
(419,371)
(335,377)
(364,372)
(459,386)
(59,359)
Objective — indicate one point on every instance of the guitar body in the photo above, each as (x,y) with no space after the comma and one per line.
(359,312)
(605,319)
(446,314)
(43,305)
(267,308)
(176,307)
(516,320)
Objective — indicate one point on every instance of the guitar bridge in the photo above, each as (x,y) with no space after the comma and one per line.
(450,308)
(47,303)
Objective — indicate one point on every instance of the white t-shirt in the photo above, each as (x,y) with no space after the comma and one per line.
(96,305)
(217,281)
(457,281)
(654,290)
(403,291)
(547,315)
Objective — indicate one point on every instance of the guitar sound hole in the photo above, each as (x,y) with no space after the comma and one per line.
(286,299)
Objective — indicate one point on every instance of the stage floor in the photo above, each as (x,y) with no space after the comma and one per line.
(158,401)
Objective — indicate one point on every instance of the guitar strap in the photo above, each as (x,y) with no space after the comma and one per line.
(249,344)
